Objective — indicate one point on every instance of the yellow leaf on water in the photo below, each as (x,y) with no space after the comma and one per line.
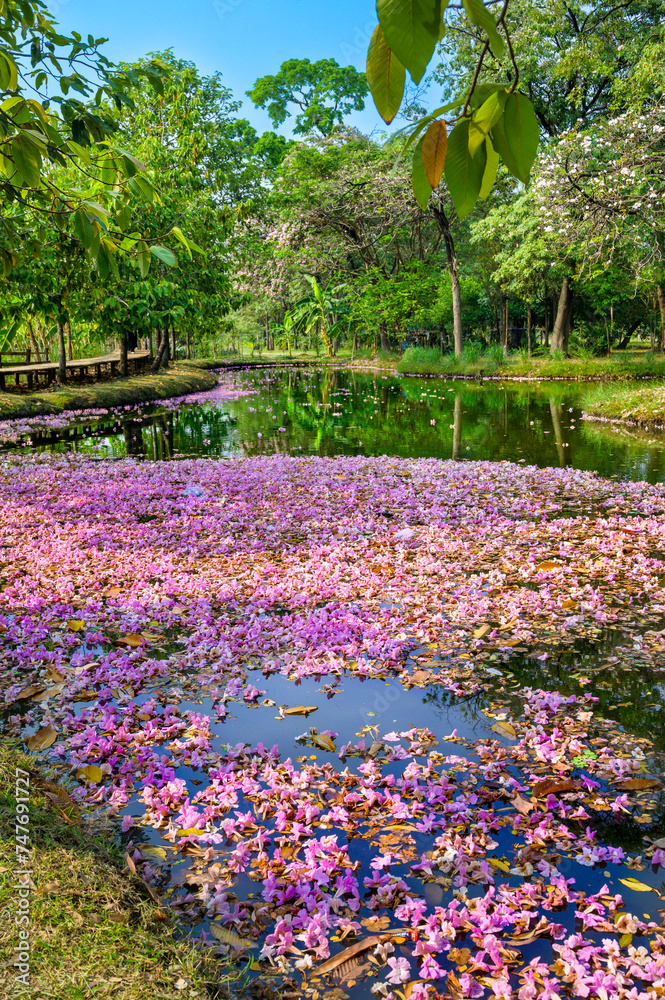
(134,639)
(501,865)
(76,624)
(625,940)
(504,729)
(323,742)
(568,604)
(547,564)
(301,710)
(632,883)
(482,631)
(155,852)
(191,831)
(226,936)
(92,773)
(43,738)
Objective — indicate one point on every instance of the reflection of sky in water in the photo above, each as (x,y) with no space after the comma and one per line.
(335,411)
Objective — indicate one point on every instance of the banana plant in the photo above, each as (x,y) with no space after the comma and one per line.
(325,310)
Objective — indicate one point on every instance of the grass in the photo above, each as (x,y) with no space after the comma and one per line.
(178,380)
(93,931)
(642,404)
(517,364)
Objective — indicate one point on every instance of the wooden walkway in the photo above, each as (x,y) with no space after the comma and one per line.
(93,368)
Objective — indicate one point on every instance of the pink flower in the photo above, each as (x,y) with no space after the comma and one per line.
(400,971)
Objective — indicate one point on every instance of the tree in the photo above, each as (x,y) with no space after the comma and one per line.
(324,91)
(57,153)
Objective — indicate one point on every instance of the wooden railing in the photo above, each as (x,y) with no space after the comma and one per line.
(15,354)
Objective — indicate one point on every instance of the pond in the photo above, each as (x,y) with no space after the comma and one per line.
(340,412)
(342,698)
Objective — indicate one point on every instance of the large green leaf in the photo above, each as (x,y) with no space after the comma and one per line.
(422,188)
(411,29)
(520,127)
(165,255)
(464,172)
(386,76)
(484,118)
(27,159)
(84,228)
(498,138)
(478,14)
(491,167)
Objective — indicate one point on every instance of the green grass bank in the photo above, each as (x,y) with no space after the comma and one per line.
(94,932)
(474,363)
(636,404)
(177,380)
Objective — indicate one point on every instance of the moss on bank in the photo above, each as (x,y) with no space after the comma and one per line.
(177,380)
(637,404)
(93,930)
(492,364)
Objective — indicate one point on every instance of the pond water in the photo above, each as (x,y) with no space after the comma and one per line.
(340,412)
(227,676)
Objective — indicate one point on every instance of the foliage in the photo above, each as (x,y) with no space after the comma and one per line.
(323,91)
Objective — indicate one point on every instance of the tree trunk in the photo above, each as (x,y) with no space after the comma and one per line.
(33,342)
(453,270)
(529,321)
(385,343)
(62,351)
(546,342)
(150,344)
(124,367)
(161,352)
(564,315)
(503,322)
(188,351)
(70,350)
(174,354)
(661,305)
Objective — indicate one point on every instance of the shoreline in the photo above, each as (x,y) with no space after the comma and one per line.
(179,379)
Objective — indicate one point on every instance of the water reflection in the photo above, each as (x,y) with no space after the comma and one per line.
(338,411)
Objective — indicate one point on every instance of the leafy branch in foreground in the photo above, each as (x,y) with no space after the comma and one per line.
(488,123)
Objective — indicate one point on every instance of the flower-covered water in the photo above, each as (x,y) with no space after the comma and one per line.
(367,721)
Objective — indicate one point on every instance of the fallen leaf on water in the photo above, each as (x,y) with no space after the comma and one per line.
(523,805)
(376,923)
(569,604)
(501,865)
(43,738)
(134,639)
(75,624)
(155,852)
(547,564)
(632,883)
(92,773)
(269,702)
(191,831)
(323,742)
(638,783)
(301,710)
(54,674)
(226,936)
(482,631)
(29,692)
(554,786)
(48,692)
(113,592)
(625,940)
(504,729)
(344,956)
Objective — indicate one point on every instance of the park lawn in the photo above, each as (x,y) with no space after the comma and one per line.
(639,404)
(94,932)
(177,380)
(628,364)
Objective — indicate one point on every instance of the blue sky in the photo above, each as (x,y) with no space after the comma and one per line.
(244,39)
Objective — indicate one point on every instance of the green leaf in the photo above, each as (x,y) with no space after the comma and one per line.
(498,138)
(84,228)
(464,172)
(422,188)
(144,257)
(386,76)
(478,14)
(27,159)
(520,127)
(8,71)
(491,168)
(484,118)
(411,29)
(165,255)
